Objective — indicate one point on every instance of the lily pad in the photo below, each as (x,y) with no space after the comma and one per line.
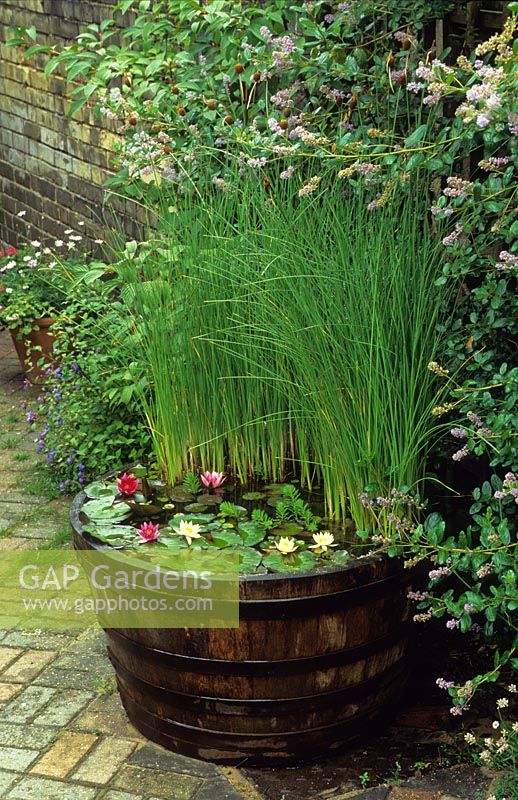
(226,539)
(195,507)
(177,496)
(288,529)
(105,510)
(209,499)
(99,489)
(295,562)
(171,541)
(253,496)
(275,500)
(252,532)
(145,509)
(139,471)
(275,488)
(340,557)
(114,535)
(249,559)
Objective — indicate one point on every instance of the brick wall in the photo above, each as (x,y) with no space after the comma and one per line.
(52,166)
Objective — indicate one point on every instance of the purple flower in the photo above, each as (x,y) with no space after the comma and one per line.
(468,608)
(30,417)
(75,367)
(459,433)
(452,624)
(444,684)
(460,454)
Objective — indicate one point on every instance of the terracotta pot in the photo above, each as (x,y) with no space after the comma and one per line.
(34,345)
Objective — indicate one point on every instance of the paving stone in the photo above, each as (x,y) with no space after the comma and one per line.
(64,708)
(408,793)
(35,531)
(375,793)
(114,795)
(7,655)
(47,789)
(105,760)
(11,543)
(168,786)
(36,640)
(219,789)
(465,781)
(105,714)
(28,665)
(154,757)
(16,759)
(94,664)
(8,691)
(90,642)
(26,736)
(65,754)
(6,781)
(65,679)
(27,704)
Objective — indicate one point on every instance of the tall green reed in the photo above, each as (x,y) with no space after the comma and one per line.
(288,333)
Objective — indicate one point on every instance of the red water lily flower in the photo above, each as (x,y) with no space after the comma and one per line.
(149,532)
(212,479)
(127,484)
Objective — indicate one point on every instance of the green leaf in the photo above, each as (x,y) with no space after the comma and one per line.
(226,539)
(296,562)
(99,489)
(252,532)
(249,559)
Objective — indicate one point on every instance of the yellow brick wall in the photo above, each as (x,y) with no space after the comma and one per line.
(51,166)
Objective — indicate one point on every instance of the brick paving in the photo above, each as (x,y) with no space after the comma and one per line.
(63,732)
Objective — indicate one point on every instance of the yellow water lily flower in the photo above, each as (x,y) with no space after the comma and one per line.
(286,545)
(190,530)
(322,541)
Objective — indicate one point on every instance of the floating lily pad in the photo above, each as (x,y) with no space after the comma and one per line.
(288,529)
(114,535)
(253,496)
(340,557)
(139,471)
(168,539)
(209,499)
(252,532)
(226,539)
(249,559)
(99,489)
(105,510)
(194,507)
(275,500)
(177,496)
(294,562)
(274,488)
(145,509)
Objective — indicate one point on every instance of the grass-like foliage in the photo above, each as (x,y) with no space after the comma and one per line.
(287,332)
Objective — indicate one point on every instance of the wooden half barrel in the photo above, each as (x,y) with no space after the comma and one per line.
(318,659)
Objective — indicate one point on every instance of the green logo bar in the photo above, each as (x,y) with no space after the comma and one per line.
(61,589)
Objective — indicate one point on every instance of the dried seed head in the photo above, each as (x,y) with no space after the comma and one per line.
(132,119)
(175,89)
(210,104)
(286,112)
(283,124)
(239,68)
(181,111)
(256,76)
(229,119)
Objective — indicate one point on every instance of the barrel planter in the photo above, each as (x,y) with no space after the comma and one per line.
(32,346)
(319,657)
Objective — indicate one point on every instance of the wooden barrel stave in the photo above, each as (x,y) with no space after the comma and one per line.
(316,660)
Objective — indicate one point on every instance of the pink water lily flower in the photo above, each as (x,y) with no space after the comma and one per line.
(212,479)
(148,531)
(127,484)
